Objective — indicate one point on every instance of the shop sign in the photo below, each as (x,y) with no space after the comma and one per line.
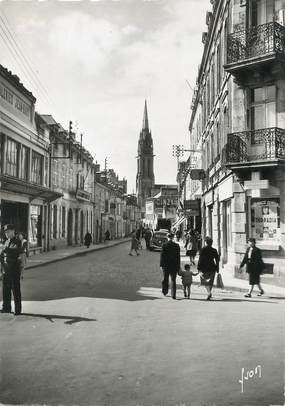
(149,208)
(83,195)
(192,212)
(191,204)
(256,184)
(197,174)
(265,219)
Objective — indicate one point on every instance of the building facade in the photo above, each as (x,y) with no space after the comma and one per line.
(238,125)
(145,172)
(24,164)
(72,174)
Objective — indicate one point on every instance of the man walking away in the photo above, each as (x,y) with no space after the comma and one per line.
(147,237)
(254,266)
(9,258)
(170,265)
(208,265)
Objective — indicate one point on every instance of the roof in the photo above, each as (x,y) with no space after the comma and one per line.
(48,119)
(15,81)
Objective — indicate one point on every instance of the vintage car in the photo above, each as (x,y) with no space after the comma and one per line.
(158,239)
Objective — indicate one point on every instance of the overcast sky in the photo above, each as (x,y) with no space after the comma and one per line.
(99,60)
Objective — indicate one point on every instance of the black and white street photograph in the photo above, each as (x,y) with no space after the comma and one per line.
(142,202)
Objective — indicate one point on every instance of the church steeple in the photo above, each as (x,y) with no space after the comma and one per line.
(145,175)
(145,118)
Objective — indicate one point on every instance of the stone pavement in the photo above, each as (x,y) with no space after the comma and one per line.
(231,283)
(68,252)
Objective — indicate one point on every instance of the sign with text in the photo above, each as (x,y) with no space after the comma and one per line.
(265,219)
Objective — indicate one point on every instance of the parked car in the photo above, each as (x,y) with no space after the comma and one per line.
(158,239)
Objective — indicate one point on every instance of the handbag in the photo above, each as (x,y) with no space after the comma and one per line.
(219,281)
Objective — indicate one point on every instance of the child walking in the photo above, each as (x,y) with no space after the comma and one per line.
(186,277)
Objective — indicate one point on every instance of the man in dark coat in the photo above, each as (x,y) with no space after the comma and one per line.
(10,261)
(208,265)
(170,265)
(254,266)
(147,237)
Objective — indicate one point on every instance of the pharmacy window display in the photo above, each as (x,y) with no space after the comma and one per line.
(265,220)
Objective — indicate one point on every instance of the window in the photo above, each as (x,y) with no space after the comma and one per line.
(24,163)
(1,152)
(213,90)
(12,157)
(212,149)
(218,138)
(263,107)
(63,219)
(106,206)
(37,168)
(219,62)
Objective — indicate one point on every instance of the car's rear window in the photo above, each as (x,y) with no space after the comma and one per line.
(160,235)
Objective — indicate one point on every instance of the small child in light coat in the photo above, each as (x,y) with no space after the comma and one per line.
(187,279)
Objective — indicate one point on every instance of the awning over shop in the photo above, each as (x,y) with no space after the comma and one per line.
(179,221)
(11,184)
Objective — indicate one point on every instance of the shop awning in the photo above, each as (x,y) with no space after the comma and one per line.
(179,221)
(32,190)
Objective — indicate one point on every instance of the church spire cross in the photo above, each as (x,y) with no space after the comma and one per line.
(145,118)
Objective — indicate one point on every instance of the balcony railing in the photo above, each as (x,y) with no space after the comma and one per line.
(267,144)
(254,42)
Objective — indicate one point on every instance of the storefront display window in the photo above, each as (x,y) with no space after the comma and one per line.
(265,220)
(35,226)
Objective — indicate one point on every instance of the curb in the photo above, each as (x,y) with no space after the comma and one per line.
(76,254)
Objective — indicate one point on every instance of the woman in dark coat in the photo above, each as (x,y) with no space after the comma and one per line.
(191,246)
(254,266)
(87,239)
(208,265)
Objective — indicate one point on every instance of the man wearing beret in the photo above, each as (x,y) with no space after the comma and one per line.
(9,258)
(170,265)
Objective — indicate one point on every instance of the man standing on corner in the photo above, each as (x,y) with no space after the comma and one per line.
(170,265)
(9,258)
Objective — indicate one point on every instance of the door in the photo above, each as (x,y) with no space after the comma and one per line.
(81,227)
(227,229)
(69,226)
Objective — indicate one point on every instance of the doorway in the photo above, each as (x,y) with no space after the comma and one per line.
(227,229)
(69,227)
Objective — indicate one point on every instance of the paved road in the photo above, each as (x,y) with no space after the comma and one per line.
(97,331)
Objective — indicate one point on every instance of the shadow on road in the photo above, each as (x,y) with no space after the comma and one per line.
(236,300)
(50,317)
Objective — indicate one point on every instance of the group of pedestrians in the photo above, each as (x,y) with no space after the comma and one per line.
(207,267)
(136,239)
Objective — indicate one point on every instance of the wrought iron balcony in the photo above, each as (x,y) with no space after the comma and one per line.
(255,45)
(255,148)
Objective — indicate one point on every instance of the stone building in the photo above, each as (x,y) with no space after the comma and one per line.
(72,174)
(238,124)
(110,205)
(24,161)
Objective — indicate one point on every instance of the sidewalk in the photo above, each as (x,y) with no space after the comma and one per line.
(234,284)
(68,252)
